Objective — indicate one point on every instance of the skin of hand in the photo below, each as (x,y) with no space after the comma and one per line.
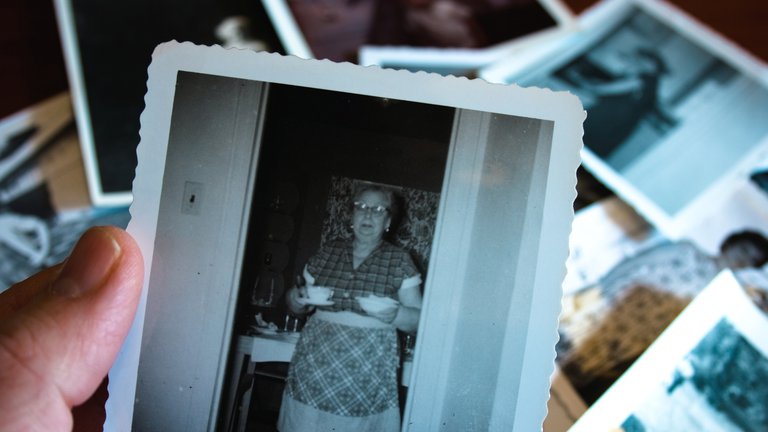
(294,294)
(62,328)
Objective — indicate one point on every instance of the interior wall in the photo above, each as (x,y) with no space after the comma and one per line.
(194,270)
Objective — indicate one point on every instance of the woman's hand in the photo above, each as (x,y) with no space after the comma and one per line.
(295,303)
(407,319)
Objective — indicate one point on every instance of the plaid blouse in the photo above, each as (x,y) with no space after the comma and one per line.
(381,273)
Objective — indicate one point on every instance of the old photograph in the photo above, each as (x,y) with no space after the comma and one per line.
(326,259)
(338,29)
(719,383)
(644,68)
(702,373)
(106,70)
(346,197)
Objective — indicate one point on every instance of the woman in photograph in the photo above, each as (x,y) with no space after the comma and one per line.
(622,103)
(343,375)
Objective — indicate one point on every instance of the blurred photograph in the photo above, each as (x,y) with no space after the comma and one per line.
(657,87)
(337,29)
(705,372)
(106,60)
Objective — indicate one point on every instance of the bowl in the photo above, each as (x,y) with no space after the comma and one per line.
(376,304)
(319,294)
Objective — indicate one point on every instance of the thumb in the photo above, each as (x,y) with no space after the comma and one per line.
(57,347)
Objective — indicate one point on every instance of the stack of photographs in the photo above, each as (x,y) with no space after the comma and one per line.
(675,129)
(674,111)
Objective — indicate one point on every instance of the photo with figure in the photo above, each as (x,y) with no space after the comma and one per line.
(705,371)
(719,384)
(346,202)
(657,86)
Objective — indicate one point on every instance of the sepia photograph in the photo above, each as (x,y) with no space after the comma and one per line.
(345,205)
(644,68)
(328,262)
(704,372)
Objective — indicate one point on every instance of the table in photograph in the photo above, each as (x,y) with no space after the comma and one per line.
(254,349)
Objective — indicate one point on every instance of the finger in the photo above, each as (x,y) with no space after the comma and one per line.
(17,296)
(55,350)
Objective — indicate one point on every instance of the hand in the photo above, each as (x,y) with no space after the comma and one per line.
(295,303)
(61,329)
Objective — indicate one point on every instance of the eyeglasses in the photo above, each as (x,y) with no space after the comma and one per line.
(377,211)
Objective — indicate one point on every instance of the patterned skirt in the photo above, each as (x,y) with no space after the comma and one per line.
(345,370)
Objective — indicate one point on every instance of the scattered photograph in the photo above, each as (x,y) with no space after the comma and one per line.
(603,234)
(720,382)
(454,34)
(607,325)
(107,57)
(668,87)
(26,133)
(704,372)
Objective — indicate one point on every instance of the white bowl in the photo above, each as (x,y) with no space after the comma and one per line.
(376,304)
(319,294)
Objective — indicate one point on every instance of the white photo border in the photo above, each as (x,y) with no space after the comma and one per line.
(69,39)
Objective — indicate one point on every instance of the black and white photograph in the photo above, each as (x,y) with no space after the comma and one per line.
(644,68)
(367,226)
(346,197)
(338,29)
(720,384)
(107,47)
(705,372)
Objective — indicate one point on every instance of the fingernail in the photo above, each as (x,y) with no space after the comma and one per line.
(88,265)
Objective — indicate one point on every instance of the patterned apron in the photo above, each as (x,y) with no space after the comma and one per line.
(345,370)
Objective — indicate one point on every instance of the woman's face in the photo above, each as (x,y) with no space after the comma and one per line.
(367,222)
